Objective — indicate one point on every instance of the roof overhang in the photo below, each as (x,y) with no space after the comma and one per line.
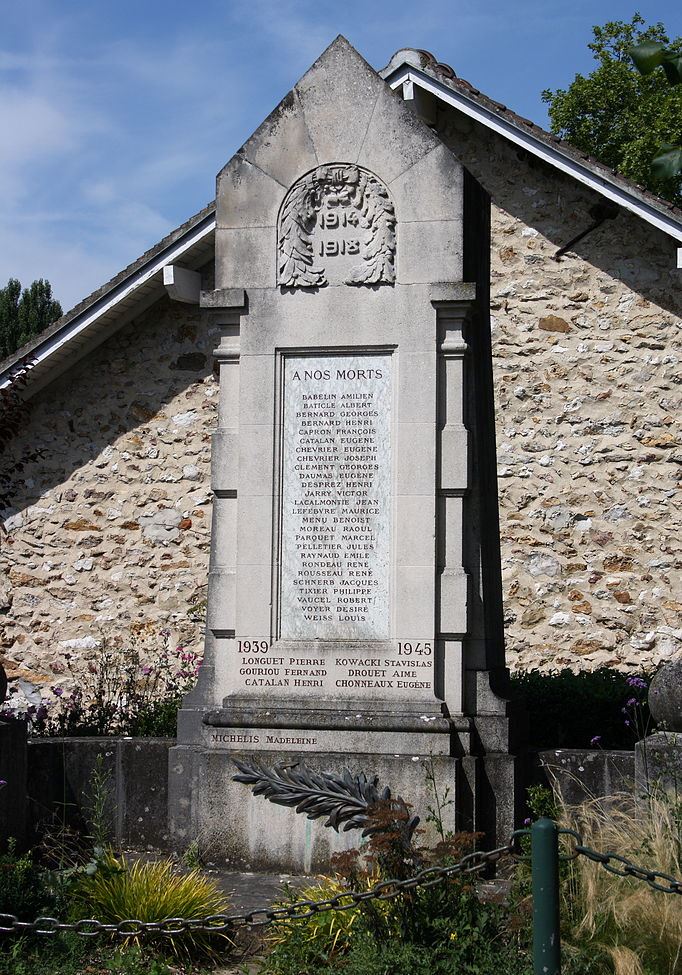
(508,128)
(81,331)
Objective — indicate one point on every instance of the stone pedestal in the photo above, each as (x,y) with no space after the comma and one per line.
(658,764)
(354,613)
(658,757)
(13,772)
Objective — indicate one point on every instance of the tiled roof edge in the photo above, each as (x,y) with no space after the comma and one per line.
(446,75)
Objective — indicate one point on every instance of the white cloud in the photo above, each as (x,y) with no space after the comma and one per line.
(36,129)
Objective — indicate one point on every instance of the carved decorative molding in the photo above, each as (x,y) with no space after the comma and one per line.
(342,197)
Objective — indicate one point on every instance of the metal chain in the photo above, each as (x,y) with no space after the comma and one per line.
(300,910)
(222,923)
(625,868)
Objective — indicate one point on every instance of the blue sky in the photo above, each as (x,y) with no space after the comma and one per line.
(116,115)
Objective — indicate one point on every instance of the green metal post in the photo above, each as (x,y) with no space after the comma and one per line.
(545,874)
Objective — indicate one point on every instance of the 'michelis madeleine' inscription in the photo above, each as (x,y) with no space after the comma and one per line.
(336,498)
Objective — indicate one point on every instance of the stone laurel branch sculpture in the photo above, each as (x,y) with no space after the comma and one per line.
(351,800)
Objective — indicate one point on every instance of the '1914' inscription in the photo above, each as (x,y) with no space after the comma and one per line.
(336,498)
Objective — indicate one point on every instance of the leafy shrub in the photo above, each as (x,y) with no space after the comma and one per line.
(479,957)
(63,954)
(121,691)
(569,710)
(441,929)
(152,891)
(25,888)
(71,954)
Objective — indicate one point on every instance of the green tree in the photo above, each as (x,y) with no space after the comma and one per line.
(25,313)
(618,115)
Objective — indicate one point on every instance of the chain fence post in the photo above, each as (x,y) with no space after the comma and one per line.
(546,916)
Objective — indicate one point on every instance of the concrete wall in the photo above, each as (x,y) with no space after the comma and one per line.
(13,773)
(579,775)
(60,786)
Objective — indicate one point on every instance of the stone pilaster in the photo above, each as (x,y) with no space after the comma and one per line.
(452,305)
(224,309)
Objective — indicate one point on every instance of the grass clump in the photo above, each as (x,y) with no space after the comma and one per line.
(637,928)
(153,891)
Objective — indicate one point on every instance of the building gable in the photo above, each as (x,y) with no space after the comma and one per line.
(424,83)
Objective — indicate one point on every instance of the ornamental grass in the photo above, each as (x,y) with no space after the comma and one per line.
(327,934)
(153,891)
(637,928)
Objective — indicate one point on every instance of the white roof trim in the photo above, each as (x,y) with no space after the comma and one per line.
(119,294)
(553,156)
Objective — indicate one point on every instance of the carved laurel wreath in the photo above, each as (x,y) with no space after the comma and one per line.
(352,187)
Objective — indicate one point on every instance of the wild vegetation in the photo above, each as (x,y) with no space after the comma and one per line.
(121,690)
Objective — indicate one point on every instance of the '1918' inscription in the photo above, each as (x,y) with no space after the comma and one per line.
(336,498)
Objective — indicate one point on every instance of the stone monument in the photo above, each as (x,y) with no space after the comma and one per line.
(354,611)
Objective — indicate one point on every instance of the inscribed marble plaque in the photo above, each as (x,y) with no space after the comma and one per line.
(336,498)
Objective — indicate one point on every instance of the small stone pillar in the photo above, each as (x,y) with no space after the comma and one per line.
(13,773)
(658,757)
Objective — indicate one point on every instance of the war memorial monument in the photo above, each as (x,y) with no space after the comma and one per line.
(354,608)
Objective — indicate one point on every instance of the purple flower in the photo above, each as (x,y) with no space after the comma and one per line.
(527,822)
(637,682)
(627,724)
(596,741)
(3,783)
(632,702)
(58,691)
(146,670)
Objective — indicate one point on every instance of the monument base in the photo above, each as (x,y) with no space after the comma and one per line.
(247,832)
(232,825)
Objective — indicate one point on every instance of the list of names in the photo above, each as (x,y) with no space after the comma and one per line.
(336,498)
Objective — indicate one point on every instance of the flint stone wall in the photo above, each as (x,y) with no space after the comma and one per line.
(110,532)
(587,355)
